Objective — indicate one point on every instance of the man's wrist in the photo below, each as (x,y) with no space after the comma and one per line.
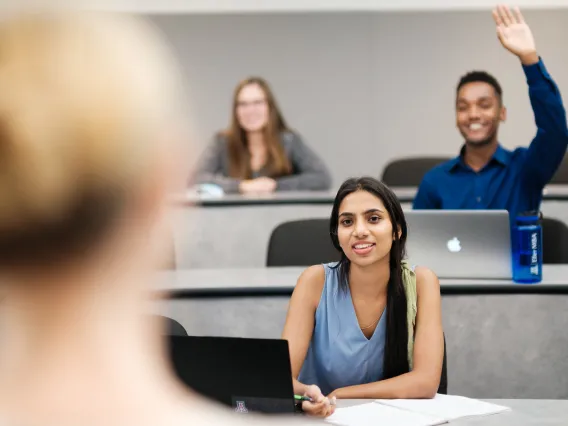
(530,58)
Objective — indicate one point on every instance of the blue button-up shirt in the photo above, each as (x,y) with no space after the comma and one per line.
(511,180)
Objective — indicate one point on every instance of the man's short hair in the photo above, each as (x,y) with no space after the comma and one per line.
(484,77)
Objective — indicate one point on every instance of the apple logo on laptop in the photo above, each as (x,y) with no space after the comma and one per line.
(454,245)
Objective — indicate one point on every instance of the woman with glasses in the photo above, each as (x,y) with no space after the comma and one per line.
(258,153)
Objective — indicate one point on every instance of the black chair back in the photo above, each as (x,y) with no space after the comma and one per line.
(409,171)
(301,243)
(172,327)
(554,241)
(443,388)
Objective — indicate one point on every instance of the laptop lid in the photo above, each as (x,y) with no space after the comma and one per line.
(247,374)
(461,243)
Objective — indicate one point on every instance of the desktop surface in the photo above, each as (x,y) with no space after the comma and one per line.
(282,280)
(524,412)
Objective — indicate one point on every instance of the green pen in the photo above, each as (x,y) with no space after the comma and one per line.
(302,398)
(307,398)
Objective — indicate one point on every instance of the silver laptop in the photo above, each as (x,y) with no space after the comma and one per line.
(460,243)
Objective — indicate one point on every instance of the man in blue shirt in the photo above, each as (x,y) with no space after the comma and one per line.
(485,175)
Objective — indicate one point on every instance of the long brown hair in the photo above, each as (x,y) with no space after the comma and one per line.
(277,163)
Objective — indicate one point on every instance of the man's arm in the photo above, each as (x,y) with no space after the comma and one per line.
(549,145)
(546,151)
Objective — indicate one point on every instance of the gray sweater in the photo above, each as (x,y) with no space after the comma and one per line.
(308,170)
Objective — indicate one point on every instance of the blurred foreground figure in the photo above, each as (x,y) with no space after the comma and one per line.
(89,120)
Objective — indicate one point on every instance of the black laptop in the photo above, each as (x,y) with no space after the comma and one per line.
(250,375)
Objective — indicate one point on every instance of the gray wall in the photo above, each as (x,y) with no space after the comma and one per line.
(362,88)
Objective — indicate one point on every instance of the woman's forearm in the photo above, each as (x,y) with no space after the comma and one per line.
(299,388)
(411,385)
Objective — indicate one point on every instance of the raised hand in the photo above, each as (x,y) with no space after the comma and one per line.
(514,34)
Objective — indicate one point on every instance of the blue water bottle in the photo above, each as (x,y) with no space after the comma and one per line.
(527,248)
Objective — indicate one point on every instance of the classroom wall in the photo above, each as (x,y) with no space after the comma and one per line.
(362,88)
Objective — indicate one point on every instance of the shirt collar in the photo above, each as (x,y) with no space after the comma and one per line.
(501,156)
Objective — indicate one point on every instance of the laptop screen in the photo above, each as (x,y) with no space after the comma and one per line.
(246,374)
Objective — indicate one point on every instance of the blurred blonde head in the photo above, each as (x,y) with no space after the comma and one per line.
(89,106)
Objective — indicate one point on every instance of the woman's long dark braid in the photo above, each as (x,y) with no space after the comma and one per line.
(396,345)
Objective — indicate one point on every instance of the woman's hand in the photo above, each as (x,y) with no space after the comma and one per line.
(333,396)
(261,185)
(321,405)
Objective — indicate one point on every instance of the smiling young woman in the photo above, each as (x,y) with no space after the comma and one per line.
(258,152)
(368,326)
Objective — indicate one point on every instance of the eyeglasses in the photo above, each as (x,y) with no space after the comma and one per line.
(255,103)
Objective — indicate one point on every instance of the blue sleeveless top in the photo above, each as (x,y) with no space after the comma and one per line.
(340,354)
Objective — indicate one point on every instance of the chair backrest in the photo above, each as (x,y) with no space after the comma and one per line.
(554,241)
(409,171)
(172,327)
(301,243)
(443,388)
(561,175)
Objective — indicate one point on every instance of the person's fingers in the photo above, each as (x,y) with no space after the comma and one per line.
(320,406)
(315,404)
(518,15)
(500,34)
(497,18)
(328,411)
(314,409)
(315,393)
(506,15)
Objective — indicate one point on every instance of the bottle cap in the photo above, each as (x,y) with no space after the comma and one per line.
(530,216)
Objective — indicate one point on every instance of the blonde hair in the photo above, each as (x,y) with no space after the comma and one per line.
(83,101)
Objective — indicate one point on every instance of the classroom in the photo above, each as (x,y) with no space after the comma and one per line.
(357,213)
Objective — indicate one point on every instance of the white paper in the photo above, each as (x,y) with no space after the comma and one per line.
(373,414)
(448,407)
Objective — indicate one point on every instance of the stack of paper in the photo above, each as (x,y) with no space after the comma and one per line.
(448,407)
(413,412)
(373,414)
